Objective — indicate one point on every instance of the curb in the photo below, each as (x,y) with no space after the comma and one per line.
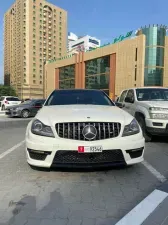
(146,208)
(14,123)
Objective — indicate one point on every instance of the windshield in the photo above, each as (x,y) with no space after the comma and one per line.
(12,99)
(84,97)
(152,94)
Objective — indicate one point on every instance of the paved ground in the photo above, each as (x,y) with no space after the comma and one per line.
(29,197)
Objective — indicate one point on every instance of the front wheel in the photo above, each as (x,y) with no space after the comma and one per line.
(147,136)
(25,114)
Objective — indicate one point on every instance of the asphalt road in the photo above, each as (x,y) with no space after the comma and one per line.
(32,197)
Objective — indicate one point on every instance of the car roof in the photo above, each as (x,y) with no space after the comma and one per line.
(77,90)
(9,96)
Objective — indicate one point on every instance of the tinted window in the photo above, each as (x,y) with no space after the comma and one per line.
(12,99)
(79,97)
(122,97)
(152,94)
(130,94)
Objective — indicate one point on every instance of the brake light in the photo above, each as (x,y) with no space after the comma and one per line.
(6,102)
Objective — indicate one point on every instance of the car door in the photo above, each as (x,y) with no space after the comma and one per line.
(129,102)
(36,106)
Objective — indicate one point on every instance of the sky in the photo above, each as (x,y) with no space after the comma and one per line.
(104,20)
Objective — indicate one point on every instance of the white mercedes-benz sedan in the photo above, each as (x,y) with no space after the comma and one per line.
(83,128)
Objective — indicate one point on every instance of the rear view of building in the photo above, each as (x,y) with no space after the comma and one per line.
(35,31)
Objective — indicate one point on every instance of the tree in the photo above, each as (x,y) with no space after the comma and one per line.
(7,91)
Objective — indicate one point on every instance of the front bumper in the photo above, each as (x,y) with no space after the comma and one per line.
(157,127)
(12,113)
(58,152)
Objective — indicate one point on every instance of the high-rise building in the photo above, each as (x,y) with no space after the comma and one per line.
(71,37)
(35,31)
(79,44)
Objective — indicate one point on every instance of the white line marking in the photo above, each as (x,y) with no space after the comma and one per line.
(11,149)
(139,214)
(158,175)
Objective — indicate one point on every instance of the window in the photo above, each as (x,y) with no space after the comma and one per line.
(130,97)
(152,94)
(34,18)
(135,74)
(34,75)
(136,54)
(34,81)
(94,41)
(34,24)
(71,97)
(34,70)
(122,97)
(34,6)
(34,64)
(34,59)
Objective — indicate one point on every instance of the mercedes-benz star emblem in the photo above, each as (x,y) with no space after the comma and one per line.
(89,132)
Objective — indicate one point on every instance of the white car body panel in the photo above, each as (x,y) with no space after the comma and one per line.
(50,115)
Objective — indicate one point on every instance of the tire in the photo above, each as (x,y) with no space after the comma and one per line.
(3,108)
(147,136)
(25,113)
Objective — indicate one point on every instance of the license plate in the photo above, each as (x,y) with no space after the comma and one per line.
(87,149)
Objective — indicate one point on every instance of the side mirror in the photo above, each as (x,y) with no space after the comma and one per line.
(120,105)
(129,100)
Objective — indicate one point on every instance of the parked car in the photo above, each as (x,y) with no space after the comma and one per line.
(26,109)
(8,101)
(83,128)
(149,106)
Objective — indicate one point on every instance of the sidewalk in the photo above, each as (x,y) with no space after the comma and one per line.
(153,210)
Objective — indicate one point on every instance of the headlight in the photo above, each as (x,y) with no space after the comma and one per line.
(159,116)
(131,129)
(158,109)
(39,128)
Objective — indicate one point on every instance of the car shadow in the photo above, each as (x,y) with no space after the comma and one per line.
(159,139)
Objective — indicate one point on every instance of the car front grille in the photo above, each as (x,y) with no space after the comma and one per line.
(75,130)
(107,156)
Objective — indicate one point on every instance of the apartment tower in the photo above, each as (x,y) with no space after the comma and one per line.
(35,31)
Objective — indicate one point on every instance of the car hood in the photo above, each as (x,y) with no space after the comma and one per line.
(160,104)
(50,115)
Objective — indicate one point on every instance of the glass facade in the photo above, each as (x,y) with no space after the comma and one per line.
(97,73)
(154,76)
(67,77)
(154,55)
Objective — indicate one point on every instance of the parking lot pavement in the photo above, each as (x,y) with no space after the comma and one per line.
(29,197)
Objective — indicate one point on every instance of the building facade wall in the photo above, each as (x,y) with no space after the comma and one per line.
(111,68)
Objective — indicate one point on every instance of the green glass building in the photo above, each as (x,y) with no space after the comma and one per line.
(154,54)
